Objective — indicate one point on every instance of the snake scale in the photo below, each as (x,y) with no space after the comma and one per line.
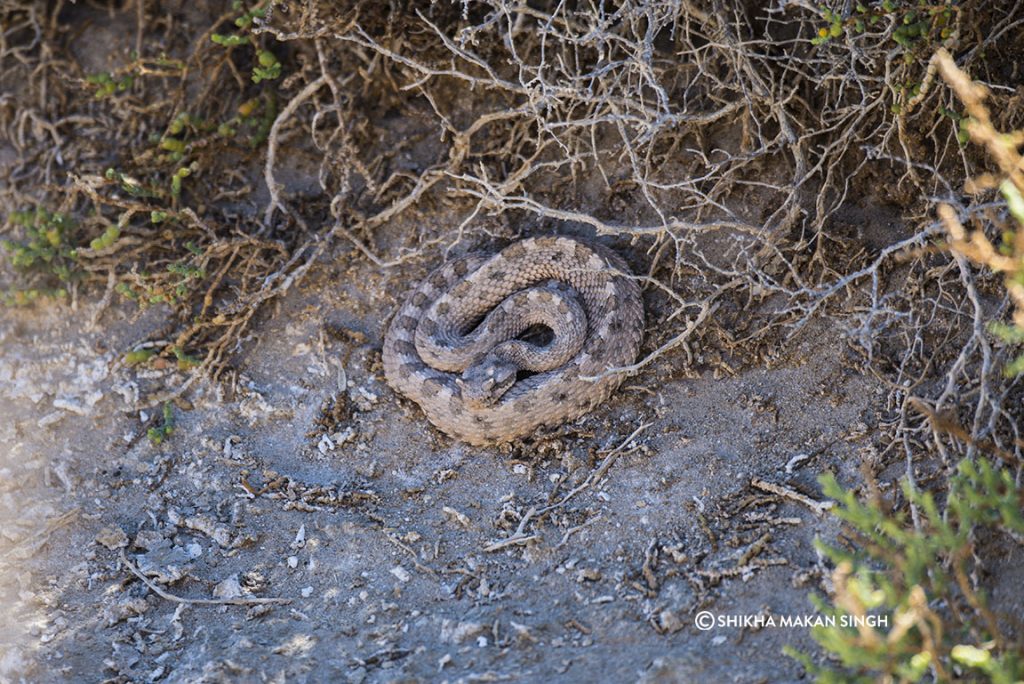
(464,343)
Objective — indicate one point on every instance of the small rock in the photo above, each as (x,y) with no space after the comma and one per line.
(670,622)
(455,515)
(200,523)
(71,405)
(364,400)
(293,562)
(257,611)
(123,658)
(673,670)
(124,609)
(228,588)
(50,419)
(112,537)
(401,573)
(147,540)
(458,632)
(344,437)
(253,581)
(166,564)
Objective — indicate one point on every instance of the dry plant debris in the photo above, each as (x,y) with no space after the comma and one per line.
(225,151)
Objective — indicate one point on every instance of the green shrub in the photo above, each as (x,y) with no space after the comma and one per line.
(917,581)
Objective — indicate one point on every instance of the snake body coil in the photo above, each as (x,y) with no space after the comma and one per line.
(457,346)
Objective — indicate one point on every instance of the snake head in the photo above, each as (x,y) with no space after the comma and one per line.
(484,383)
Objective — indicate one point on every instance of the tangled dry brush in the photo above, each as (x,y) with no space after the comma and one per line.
(772,165)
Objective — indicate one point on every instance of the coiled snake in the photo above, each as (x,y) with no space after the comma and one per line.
(460,344)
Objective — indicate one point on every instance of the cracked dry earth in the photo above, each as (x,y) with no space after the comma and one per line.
(403,556)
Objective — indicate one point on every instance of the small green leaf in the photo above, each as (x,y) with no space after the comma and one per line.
(972,656)
(1014,201)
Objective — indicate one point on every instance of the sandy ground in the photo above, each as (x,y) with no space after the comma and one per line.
(583,555)
(303,523)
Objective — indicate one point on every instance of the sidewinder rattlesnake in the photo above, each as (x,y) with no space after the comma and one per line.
(454,346)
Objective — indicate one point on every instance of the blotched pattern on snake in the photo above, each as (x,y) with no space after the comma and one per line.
(461,346)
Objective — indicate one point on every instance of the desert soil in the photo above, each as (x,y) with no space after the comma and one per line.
(582,555)
(304,523)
